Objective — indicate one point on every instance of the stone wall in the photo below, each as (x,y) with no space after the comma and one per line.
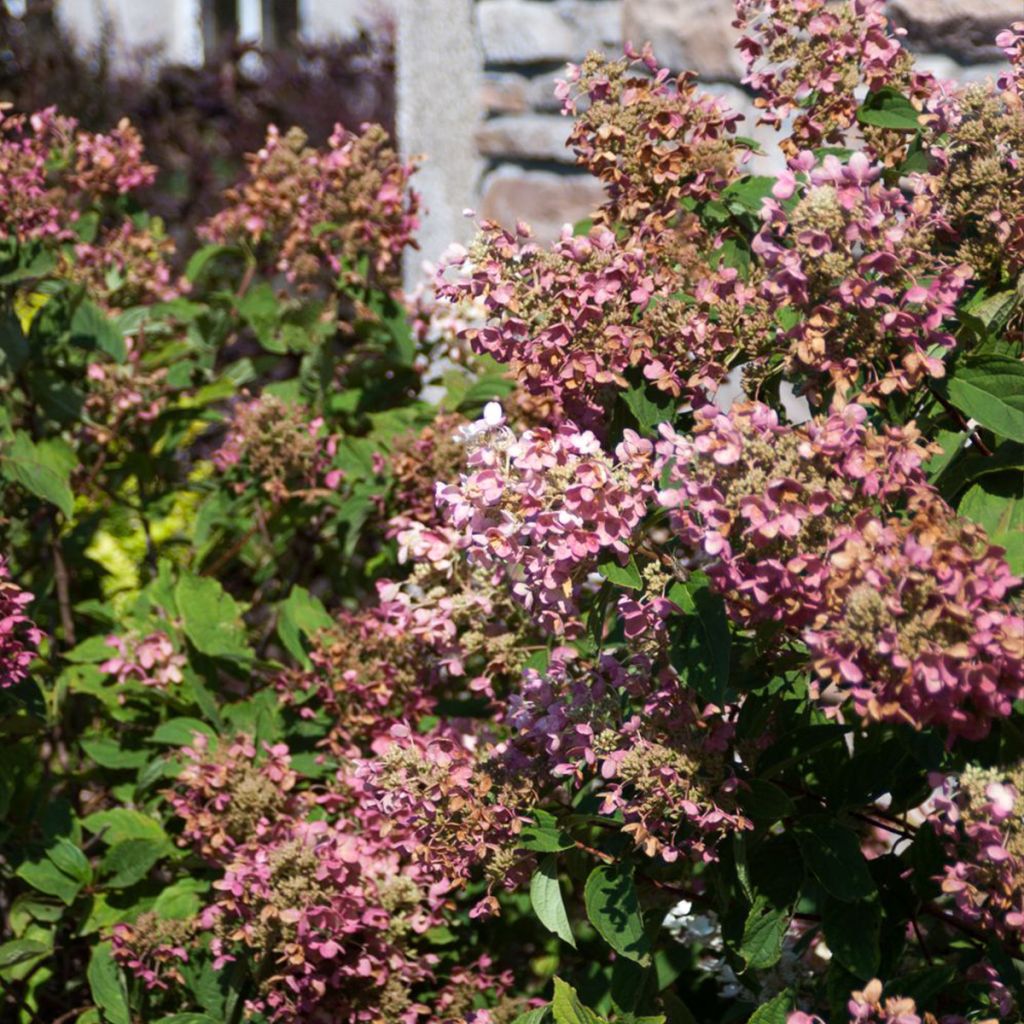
(524,45)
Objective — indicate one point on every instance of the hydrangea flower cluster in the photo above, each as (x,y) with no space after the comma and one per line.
(979,816)
(51,173)
(867,1007)
(20,637)
(796,49)
(915,621)
(126,266)
(797,526)
(658,756)
(653,139)
(337,911)
(432,799)
(338,206)
(278,446)
(543,508)
(856,257)
(150,660)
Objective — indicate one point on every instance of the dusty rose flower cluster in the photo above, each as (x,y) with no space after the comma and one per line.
(868,1007)
(150,660)
(337,910)
(51,173)
(20,637)
(659,758)
(334,207)
(979,816)
(856,257)
(278,446)
(542,509)
(796,49)
(798,526)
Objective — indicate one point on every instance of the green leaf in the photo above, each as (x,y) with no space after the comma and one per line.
(300,613)
(1002,515)
(852,934)
(614,910)
(70,859)
(90,651)
(546,898)
(180,901)
(120,824)
(888,108)
(108,753)
(650,406)
(26,464)
(21,950)
(545,836)
(776,1011)
(129,861)
(749,192)
(180,732)
(45,876)
(535,1016)
(568,1009)
(703,641)
(189,1018)
(202,258)
(832,854)
(107,986)
(764,801)
(212,619)
(627,575)
(990,390)
(763,932)
(91,326)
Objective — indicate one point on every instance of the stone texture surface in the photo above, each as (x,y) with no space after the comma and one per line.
(438,88)
(542,199)
(540,31)
(688,35)
(504,93)
(964,28)
(526,137)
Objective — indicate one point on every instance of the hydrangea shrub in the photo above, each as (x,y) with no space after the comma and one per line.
(470,656)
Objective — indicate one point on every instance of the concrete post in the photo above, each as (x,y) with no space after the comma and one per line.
(439,80)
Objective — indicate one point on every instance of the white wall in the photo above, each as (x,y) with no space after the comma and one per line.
(173,26)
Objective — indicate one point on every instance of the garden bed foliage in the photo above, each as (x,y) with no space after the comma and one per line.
(463,655)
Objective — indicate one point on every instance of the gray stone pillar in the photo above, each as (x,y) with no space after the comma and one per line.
(438,88)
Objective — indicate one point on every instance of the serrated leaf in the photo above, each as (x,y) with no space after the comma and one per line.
(990,390)
(301,613)
(775,1011)
(91,326)
(1002,515)
(180,732)
(546,899)
(614,910)
(627,575)
(649,406)
(45,876)
(832,854)
(211,617)
(26,464)
(120,824)
(108,753)
(763,932)
(852,934)
(567,1008)
(535,1016)
(130,860)
(20,951)
(107,986)
(888,108)
(70,859)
